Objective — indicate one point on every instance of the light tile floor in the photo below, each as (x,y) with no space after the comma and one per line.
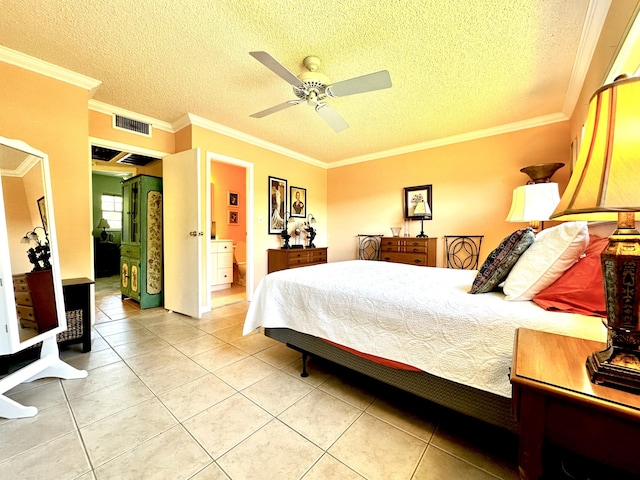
(172,397)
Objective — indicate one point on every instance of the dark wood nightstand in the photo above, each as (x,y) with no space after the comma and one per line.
(555,403)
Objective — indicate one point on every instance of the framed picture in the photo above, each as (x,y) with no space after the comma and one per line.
(233,217)
(277,204)
(233,199)
(42,208)
(298,198)
(417,203)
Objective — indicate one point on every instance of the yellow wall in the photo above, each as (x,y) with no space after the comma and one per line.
(472,184)
(267,163)
(52,116)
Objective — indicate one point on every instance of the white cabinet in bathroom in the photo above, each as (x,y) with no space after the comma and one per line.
(221,264)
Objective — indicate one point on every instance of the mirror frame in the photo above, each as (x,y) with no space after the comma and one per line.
(10,338)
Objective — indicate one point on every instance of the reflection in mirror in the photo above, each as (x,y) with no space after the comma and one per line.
(28,238)
(31,301)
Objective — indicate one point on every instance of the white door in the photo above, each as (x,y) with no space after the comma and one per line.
(183,233)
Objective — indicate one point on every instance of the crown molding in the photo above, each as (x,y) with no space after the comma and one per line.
(48,69)
(594,22)
(191,119)
(108,109)
(465,137)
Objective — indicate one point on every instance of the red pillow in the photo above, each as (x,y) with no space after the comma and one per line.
(580,288)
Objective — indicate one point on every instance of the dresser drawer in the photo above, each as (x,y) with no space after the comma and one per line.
(281,259)
(299,259)
(24,298)
(27,313)
(415,247)
(419,259)
(318,256)
(222,246)
(130,251)
(225,275)
(20,283)
(225,260)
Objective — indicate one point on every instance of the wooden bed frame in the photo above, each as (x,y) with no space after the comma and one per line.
(485,406)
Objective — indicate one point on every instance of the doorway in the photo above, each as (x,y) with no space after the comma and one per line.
(230,214)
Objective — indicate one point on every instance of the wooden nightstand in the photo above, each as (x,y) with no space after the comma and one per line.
(555,403)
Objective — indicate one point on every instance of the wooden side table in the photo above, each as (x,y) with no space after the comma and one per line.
(555,403)
(77,296)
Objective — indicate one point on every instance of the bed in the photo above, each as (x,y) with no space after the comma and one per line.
(449,346)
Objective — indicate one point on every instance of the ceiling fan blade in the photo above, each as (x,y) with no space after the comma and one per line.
(275,109)
(332,117)
(276,67)
(365,83)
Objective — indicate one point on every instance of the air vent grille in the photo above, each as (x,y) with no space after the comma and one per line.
(131,125)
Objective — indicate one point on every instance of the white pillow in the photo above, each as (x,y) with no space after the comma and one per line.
(552,253)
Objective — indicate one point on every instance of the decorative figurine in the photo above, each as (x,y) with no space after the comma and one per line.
(285,238)
(312,234)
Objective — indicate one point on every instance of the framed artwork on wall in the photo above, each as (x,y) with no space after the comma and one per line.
(277,204)
(298,198)
(417,203)
(42,208)
(233,217)
(233,199)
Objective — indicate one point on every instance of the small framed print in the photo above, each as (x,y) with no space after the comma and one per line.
(298,198)
(417,203)
(233,199)
(277,205)
(42,208)
(233,217)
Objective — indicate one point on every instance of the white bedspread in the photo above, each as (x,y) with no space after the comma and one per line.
(415,315)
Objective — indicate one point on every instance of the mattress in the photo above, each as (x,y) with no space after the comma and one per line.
(420,316)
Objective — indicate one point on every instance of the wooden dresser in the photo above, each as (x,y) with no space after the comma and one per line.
(282,259)
(409,250)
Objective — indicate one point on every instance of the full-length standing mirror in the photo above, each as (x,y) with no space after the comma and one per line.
(31,300)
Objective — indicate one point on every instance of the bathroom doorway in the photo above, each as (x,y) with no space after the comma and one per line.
(230,214)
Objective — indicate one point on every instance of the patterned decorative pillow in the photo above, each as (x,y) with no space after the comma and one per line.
(500,262)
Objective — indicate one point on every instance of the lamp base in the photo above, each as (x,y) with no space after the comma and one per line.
(422,234)
(615,367)
(619,364)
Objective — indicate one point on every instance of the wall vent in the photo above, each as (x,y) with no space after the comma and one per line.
(131,125)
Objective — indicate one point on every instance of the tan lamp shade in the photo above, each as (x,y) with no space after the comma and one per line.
(606,177)
(422,209)
(103,223)
(533,202)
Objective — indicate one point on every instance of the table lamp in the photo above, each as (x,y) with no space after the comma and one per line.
(535,201)
(605,186)
(422,210)
(104,225)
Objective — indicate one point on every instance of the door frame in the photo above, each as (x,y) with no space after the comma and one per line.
(249,173)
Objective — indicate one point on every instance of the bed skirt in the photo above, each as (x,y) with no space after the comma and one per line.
(485,406)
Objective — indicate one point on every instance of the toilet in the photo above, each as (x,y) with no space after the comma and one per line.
(239,269)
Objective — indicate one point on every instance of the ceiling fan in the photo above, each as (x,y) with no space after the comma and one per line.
(313,87)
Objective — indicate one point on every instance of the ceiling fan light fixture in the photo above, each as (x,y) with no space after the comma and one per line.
(314,87)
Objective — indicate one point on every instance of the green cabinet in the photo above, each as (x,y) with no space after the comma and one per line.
(141,245)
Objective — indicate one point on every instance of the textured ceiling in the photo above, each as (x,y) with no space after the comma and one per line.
(457,66)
